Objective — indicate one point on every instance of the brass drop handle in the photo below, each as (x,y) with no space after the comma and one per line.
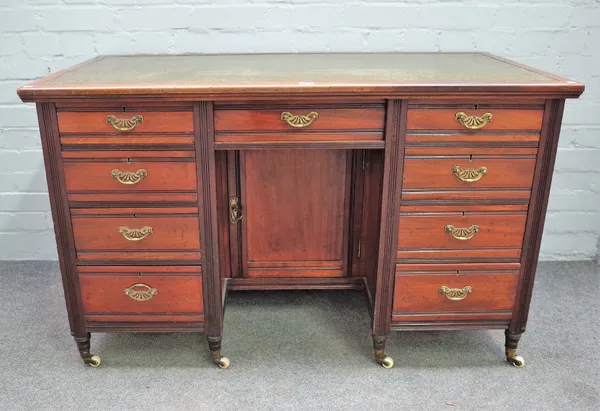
(469,175)
(456,294)
(473,122)
(135,234)
(299,121)
(129,177)
(235,210)
(124,124)
(462,234)
(141,292)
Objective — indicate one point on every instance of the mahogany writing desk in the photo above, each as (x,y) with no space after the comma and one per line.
(420,178)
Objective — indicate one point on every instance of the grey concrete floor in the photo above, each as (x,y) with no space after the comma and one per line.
(300,351)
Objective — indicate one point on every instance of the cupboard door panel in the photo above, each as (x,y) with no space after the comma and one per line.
(295,210)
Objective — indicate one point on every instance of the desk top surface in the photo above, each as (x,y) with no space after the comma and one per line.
(296,73)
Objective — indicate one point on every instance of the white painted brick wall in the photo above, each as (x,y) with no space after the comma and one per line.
(40,36)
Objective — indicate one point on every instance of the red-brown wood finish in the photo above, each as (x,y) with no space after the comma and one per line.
(457,139)
(388,234)
(358,199)
(136,198)
(416,293)
(105,294)
(408,207)
(168,232)
(485,196)
(502,119)
(152,122)
(59,205)
(306,138)
(453,255)
(428,231)
(207,213)
(460,151)
(130,211)
(127,155)
(111,140)
(437,173)
(86,176)
(330,119)
(295,217)
(537,212)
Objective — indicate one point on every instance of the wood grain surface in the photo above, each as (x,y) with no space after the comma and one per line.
(437,173)
(328,119)
(153,122)
(105,294)
(503,119)
(294,204)
(428,231)
(101,233)
(417,293)
(159,176)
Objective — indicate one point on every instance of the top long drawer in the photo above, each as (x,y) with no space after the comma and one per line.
(472,120)
(300,118)
(106,122)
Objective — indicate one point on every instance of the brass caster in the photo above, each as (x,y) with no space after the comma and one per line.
(386,362)
(92,361)
(223,362)
(517,361)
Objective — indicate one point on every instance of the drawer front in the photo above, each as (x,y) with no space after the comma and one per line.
(136,176)
(453,235)
(447,293)
(452,141)
(467,174)
(136,235)
(108,122)
(296,120)
(118,295)
(463,119)
(128,139)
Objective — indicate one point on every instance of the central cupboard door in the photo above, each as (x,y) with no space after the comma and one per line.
(296,212)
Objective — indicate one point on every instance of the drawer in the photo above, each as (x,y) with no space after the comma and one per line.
(465,119)
(467,173)
(440,293)
(141,294)
(136,234)
(456,235)
(131,176)
(114,122)
(298,119)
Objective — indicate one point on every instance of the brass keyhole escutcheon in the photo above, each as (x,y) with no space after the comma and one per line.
(235,210)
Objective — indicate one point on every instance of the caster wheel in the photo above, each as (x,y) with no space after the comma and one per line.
(386,362)
(517,361)
(223,362)
(93,361)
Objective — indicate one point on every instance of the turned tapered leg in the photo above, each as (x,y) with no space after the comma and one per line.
(83,345)
(512,341)
(214,345)
(379,347)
